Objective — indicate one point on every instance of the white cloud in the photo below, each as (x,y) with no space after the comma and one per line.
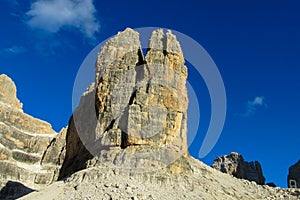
(53,15)
(252,106)
(258,101)
(14,49)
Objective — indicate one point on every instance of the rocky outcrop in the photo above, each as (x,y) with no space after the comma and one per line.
(12,114)
(271,184)
(54,155)
(294,176)
(134,116)
(23,141)
(235,165)
(8,92)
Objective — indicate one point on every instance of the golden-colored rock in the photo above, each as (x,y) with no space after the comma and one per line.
(8,92)
(135,115)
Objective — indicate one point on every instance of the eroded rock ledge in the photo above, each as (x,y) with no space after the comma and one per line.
(24,142)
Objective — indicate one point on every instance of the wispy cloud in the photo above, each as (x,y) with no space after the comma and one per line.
(53,15)
(14,50)
(252,106)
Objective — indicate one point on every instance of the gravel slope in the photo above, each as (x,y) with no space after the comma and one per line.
(203,183)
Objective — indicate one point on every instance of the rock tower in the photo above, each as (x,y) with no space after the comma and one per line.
(134,116)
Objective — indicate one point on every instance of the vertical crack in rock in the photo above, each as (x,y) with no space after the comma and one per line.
(140,103)
(124,138)
(116,85)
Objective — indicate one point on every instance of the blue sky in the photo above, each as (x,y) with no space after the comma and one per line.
(255,45)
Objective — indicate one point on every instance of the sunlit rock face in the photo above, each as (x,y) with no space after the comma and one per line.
(235,165)
(8,92)
(134,116)
(23,142)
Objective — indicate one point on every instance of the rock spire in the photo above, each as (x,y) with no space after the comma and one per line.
(134,117)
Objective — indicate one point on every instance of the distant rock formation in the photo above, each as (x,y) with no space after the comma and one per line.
(271,184)
(134,116)
(235,165)
(294,176)
(23,142)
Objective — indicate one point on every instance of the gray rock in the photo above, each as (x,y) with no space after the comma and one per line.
(271,184)
(8,92)
(235,165)
(134,117)
(14,190)
(294,176)
(23,141)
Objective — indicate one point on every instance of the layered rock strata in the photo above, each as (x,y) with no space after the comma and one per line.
(23,142)
(235,165)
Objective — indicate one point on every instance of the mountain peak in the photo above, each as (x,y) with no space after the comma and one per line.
(137,112)
(8,92)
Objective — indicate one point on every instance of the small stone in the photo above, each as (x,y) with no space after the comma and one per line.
(129,190)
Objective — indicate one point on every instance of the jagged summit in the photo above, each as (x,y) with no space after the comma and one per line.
(136,113)
(235,165)
(16,116)
(8,92)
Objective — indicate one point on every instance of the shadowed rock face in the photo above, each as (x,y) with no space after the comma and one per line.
(294,176)
(134,116)
(235,165)
(14,190)
(23,142)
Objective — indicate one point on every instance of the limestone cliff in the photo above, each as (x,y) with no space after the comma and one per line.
(235,165)
(134,117)
(23,141)
(8,92)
